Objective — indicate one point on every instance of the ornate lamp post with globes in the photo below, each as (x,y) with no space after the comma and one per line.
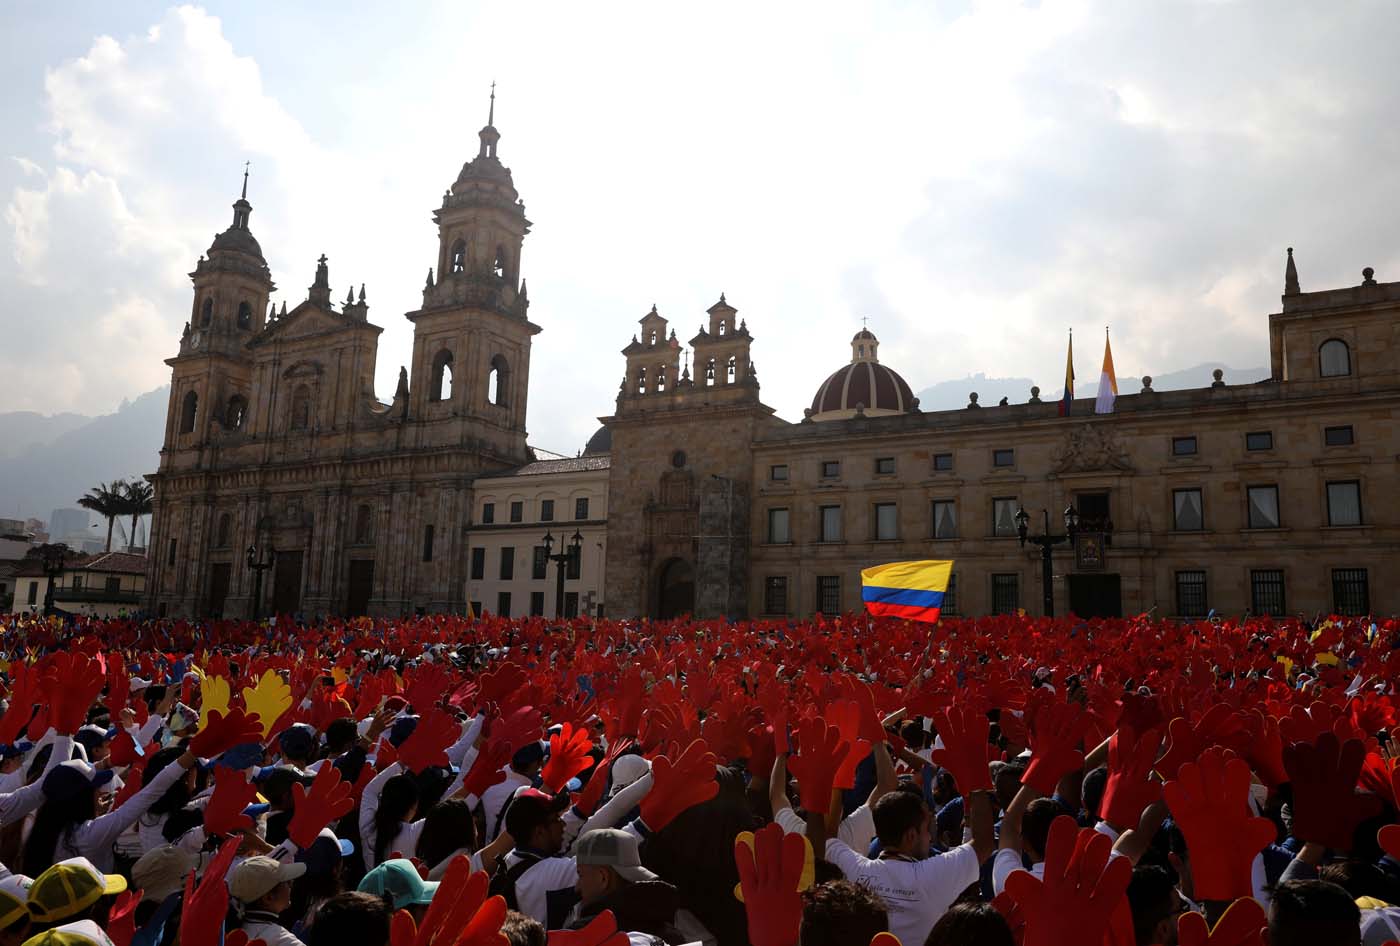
(565,555)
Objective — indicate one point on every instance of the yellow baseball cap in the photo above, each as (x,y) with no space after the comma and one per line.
(81,933)
(68,888)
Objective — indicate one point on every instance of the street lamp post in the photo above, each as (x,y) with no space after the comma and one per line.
(259,564)
(563,557)
(1046,542)
(53,567)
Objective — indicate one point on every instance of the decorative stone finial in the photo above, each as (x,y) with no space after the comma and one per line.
(362,293)
(1035,394)
(1146,385)
(1219,376)
(350,296)
(283,313)
(429,283)
(1290,276)
(1368,277)
(972,400)
(1004,402)
(402,389)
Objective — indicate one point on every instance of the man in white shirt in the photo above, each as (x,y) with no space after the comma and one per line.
(917,889)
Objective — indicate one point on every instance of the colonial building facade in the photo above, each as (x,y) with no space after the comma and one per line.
(1270,498)
(275,439)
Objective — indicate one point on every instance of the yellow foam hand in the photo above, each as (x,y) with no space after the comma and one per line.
(269,699)
(809,864)
(214,693)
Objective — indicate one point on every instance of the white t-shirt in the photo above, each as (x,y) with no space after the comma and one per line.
(857,830)
(1006,861)
(916,893)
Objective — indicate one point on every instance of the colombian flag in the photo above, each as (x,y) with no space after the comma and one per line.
(912,590)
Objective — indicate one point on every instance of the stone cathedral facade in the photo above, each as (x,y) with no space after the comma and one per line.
(275,440)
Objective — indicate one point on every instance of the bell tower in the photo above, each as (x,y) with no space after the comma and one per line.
(212,373)
(471,349)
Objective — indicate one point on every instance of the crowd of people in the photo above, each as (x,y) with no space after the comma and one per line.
(444,781)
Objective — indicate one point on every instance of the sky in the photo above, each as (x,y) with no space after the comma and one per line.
(974,178)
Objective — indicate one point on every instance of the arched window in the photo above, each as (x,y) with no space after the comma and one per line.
(709,372)
(206,315)
(641,381)
(498,381)
(500,267)
(1334,359)
(301,408)
(459,256)
(661,378)
(188,411)
(723,328)
(237,411)
(441,387)
(362,524)
(731,370)
(652,338)
(245,315)
(224,533)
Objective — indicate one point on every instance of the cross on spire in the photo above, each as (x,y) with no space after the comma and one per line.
(863,321)
(491,116)
(244,195)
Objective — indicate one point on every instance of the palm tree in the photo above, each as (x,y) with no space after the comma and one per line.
(108,501)
(137,499)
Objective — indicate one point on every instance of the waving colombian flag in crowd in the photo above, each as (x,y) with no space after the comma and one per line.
(912,590)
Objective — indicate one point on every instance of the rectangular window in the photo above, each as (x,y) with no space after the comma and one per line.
(884,466)
(488,513)
(478,565)
(546,510)
(1263,507)
(536,603)
(170,557)
(581,507)
(517,511)
(1191,594)
(942,462)
(1344,503)
(33,592)
(778,531)
(113,585)
(1004,516)
(886,521)
(831,523)
(775,595)
(427,543)
(76,583)
(950,596)
(945,519)
(507,563)
(1183,446)
(1259,440)
(573,568)
(829,594)
(571,604)
(1187,515)
(1093,510)
(1351,591)
(503,604)
(539,564)
(1003,457)
(1338,436)
(831,469)
(1266,591)
(1006,594)
(778,473)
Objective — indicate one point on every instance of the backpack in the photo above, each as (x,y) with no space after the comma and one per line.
(503,881)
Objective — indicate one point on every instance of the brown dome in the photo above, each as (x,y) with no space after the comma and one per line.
(868,384)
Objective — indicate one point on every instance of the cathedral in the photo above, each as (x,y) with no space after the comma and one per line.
(1269,497)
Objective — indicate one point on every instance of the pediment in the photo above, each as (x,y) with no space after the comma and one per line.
(309,320)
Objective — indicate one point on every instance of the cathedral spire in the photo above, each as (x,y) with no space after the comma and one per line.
(1290,277)
(489,135)
(244,195)
(241,207)
(491,114)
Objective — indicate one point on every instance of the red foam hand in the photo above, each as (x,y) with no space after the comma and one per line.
(371,693)
(602,931)
(872,727)
(1130,787)
(568,756)
(966,753)
(678,786)
(1242,924)
(385,755)
(1376,775)
(1389,840)
(1209,800)
(232,793)
(121,919)
(26,685)
(1326,806)
(1217,726)
(460,914)
(1264,750)
(204,909)
(1056,730)
(518,729)
(1306,725)
(431,738)
(328,799)
(1082,887)
(761,750)
(465,695)
(223,732)
(587,800)
(427,687)
(502,684)
(118,687)
(73,687)
(1014,916)
(122,750)
(822,753)
(844,715)
(626,720)
(885,939)
(769,872)
(488,768)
